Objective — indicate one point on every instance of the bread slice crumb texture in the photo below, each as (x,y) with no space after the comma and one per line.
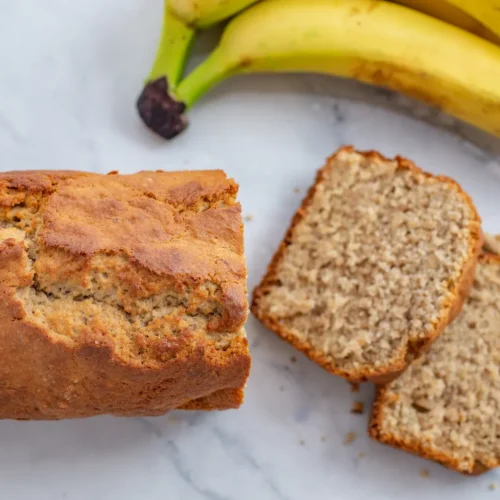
(373,267)
(446,406)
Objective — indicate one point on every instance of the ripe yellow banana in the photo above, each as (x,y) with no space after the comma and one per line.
(451,14)
(205,13)
(373,41)
(487,12)
(181,19)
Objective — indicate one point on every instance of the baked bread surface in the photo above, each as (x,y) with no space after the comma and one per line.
(376,262)
(121,294)
(446,406)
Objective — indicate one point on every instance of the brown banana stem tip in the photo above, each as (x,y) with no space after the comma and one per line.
(160,111)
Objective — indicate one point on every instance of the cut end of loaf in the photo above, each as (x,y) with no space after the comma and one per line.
(445,406)
(374,266)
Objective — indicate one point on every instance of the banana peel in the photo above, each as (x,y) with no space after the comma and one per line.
(487,12)
(202,14)
(449,13)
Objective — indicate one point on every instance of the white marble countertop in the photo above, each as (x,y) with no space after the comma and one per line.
(70,74)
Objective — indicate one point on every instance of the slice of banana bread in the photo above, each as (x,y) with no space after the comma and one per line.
(121,294)
(376,263)
(446,405)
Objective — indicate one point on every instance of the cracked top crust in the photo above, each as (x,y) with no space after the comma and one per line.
(145,270)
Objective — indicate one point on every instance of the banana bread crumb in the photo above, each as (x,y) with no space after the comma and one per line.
(349,438)
(357,407)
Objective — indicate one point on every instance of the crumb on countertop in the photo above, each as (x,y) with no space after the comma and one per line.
(302,442)
(424,473)
(248,218)
(350,437)
(361,454)
(282,388)
(323,439)
(293,359)
(492,486)
(357,407)
(354,387)
(296,190)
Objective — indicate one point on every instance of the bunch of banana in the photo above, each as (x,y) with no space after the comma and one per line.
(375,41)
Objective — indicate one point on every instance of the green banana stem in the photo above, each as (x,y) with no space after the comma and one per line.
(162,109)
(173,50)
(205,76)
(158,108)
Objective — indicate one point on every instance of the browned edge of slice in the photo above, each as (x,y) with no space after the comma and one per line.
(225,399)
(416,447)
(413,350)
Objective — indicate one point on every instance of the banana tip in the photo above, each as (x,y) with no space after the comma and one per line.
(160,111)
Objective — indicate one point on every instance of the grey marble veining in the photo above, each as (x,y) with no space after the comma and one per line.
(70,74)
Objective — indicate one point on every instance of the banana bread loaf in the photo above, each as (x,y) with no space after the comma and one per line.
(120,294)
(376,262)
(446,406)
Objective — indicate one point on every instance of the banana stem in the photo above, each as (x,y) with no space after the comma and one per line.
(205,76)
(173,50)
(162,109)
(157,105)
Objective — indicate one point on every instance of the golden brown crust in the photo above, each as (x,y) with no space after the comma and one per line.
(423,449)
(168,238)
(450,310)
(490,257)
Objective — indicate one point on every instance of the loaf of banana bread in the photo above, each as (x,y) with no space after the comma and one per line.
(120,294)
